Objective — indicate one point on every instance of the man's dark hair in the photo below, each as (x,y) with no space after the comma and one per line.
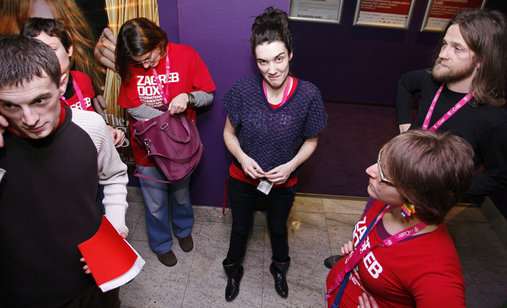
(22,58)
(51,27)
(485,33)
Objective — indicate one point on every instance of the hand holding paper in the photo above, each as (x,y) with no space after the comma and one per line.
(109,258)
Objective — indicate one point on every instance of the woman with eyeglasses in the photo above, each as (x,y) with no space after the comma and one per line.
(156,76)
(401,254)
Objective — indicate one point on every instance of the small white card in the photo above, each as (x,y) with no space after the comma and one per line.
(2,173)
(265,186)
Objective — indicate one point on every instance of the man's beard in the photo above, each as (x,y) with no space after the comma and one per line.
(448,76)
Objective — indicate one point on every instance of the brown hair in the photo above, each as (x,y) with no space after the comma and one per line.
(484,32)
(51,27)
(432,170)
(271,26)
(137,36)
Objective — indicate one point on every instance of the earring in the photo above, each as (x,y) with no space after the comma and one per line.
(407,209)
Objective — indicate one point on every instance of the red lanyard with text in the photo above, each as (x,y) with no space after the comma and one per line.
(285,91)
(79,95)
(165,94)
(364,247)
(448,114)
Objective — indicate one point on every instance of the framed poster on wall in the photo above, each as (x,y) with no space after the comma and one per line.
(327,11)
(439,12)
(384,13)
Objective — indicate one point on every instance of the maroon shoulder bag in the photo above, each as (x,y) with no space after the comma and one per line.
(173,142)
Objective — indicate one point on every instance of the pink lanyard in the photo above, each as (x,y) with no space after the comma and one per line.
(357,254)
(165,94)
(79,95)
(448,114)
(285,91)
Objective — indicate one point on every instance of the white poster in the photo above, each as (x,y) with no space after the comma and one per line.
(316,10)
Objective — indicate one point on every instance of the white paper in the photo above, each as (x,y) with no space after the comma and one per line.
(265,186)
(125,278)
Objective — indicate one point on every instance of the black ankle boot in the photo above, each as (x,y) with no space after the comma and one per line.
(234,274)
(279,271)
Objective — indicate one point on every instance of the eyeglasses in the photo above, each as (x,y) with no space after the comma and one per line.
(383,179)
(147,59)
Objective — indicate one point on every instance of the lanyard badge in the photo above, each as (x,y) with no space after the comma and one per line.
(448,114)
(165,94)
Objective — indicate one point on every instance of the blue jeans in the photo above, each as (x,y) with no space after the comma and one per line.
(156,200)
(243,198)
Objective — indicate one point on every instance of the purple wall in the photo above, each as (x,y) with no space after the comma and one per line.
(168,19)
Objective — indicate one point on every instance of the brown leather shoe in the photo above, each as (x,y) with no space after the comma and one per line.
(187,243)
(168,258)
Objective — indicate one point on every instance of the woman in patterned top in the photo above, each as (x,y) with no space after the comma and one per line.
(272,124)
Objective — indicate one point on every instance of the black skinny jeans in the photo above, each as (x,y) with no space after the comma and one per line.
(278,204)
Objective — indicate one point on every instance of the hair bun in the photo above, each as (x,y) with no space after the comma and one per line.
(272,18)
(270,26)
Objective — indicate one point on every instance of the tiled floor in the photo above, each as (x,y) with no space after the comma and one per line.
(317,227)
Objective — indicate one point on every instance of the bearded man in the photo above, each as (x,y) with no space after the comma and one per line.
(464,93)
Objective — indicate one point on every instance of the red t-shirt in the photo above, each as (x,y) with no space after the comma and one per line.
(187,73)
(423,271)
(85,86)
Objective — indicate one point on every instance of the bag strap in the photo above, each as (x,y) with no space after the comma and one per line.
(148,178)
(145,129)
(347,276)
(178,160)
(341,290)
(184,122)
(139,175)
(226,184)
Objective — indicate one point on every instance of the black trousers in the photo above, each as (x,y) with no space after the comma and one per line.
(278,202)
(94,298)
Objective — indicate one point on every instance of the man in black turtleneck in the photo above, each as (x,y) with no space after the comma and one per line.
(471,61)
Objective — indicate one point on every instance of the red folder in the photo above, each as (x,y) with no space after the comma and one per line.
(111,259)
